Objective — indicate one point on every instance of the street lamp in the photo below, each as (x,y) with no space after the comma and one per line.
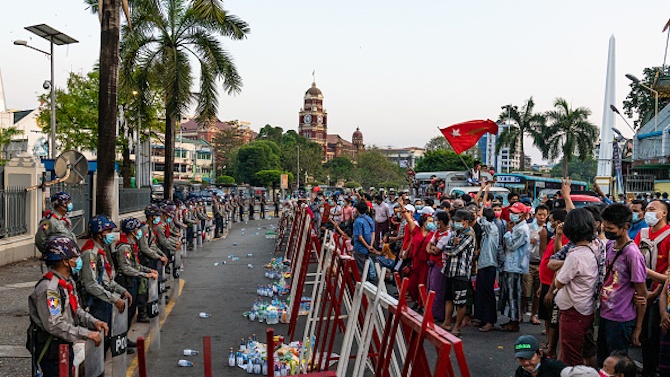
(637,81)
(613,108)
(54,37)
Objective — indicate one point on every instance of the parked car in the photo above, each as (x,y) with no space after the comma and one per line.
(157,193)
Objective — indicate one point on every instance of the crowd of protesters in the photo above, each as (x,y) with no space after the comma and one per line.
(568,269)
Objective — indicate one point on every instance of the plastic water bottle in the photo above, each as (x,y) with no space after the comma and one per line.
(240,360)
(250,265)
(249,255)
(243,345)
(257,365)
(277,371)
(264,370)
(231,358)
(250,366)
(185,363)
(188,352)
(204,315)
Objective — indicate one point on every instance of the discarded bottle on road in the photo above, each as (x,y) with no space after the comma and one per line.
(234,244)
(240,360)
(204,315)
(185,363)
(188,352)
(250,366)
(265,368)
(250,265)
(243,345)
(249,255)
(231,358)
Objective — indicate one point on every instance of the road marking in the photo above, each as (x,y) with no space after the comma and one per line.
(27,284)
(132,369)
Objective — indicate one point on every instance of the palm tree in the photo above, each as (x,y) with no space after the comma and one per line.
(521,123)
(6,135)
(568,132)
(166,36)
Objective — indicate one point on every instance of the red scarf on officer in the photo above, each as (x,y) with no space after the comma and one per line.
(123,238)
(74,304)
(89,245)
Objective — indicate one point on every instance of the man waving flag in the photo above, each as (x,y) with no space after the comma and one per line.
(463,136)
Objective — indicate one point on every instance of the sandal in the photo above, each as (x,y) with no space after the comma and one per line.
(509,328)
(446,327)
(534,320)
(486,328)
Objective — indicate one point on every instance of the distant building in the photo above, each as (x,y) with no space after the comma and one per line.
(502,162)
(190,129)
(651,155)
(404,157)
(313,125)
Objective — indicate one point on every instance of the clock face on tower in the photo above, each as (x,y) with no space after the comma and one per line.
(319,119)
(307,118)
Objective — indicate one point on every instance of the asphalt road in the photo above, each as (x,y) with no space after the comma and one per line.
(226,291)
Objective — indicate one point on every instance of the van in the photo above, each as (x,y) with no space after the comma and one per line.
(493,191)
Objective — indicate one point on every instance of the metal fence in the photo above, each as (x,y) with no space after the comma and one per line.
(639,183)
(81,201)
(133,199)
(13,212)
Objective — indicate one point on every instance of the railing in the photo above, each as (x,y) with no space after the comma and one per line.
(639,183)
(133,199)
(13,212)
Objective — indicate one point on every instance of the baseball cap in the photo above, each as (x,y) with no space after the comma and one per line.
(526,346)
(525,200)
(461,215)
(519,207)
(427,211)
(410,208)
(458,204)
(579,371)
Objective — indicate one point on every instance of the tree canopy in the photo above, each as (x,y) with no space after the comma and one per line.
(578,170)
(373,168)
(521,123)
(640,101)
(442,160)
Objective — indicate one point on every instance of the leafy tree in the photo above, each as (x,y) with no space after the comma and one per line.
(442,160)
(339,168)
(578,170)
(272,177)
(521,123)
(271,133)
(6,135)
(254,157)
(438,143)
(225,142)
(167,36)
(568,132)
(641,101)
(76,113)
(225,180)
(311,154)
(374,168)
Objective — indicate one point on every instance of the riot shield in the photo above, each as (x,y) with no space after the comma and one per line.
(196,244)
(119,340)
(94,363)
(153,313)
(162,290)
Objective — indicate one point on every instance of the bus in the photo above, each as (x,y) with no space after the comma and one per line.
(534,186)
(450,179)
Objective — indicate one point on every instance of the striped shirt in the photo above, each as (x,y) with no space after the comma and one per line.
(459,257)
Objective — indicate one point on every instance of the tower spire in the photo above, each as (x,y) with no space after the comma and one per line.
(314,76)
(3,102)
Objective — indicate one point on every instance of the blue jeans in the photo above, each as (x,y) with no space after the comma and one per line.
(613,336)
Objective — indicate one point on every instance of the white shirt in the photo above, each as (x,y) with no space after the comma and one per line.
(579,275)
(382,212)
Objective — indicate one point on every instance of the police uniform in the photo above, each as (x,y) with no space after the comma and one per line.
(217,208)
(52,225)
(132,273)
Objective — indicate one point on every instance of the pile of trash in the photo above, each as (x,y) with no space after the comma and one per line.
(252,356)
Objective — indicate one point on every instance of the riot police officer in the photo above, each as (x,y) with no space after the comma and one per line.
(131,273)
(55,314)
(97,273)
(150,256)
(55,222)
(166,240)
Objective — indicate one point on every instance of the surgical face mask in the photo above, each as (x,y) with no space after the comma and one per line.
(419,207)
(636,217)
(534,369)
(458,225)
(77,267)
(549,228)
(157,220)
(498,214)
(431,227)
(70,207)
(515,218)
(340,203)
(651,219)
(169,220)
(139,234)
(109,238)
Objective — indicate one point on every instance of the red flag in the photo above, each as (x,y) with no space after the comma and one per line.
(463,136)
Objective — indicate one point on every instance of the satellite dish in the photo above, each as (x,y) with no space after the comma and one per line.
(71,167)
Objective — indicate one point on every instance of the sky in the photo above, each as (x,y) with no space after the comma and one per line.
(397,70)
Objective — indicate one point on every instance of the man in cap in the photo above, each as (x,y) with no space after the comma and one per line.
(150,255)
(55,222)
(97,273)
(517,254)
(532,361)
(167,243)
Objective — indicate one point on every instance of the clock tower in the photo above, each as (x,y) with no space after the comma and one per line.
(313,119)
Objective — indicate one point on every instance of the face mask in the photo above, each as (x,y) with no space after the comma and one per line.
(77,267)
(418,207)
(109,238)
(651,219)
(549,228)
(636,217)
(458,226)
(535,369)
(514,217)
(340,203)
(611,235)
(498,214)
(603,373)
(330,202)
(70,207)
(431,227)
(139,234)
(169,220)
(157,220)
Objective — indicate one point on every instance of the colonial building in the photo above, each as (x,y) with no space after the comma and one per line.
(313,125)
(190,129)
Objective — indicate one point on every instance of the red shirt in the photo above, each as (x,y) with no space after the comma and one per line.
(505,213)
(663,249)
(437,258)
(418,251)
(547,275)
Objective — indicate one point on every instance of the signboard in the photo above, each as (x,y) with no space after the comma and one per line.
(508,179)
(284,181)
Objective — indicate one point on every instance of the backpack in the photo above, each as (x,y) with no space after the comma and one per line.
(649,248)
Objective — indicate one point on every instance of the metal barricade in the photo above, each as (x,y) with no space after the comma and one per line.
(119,340)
